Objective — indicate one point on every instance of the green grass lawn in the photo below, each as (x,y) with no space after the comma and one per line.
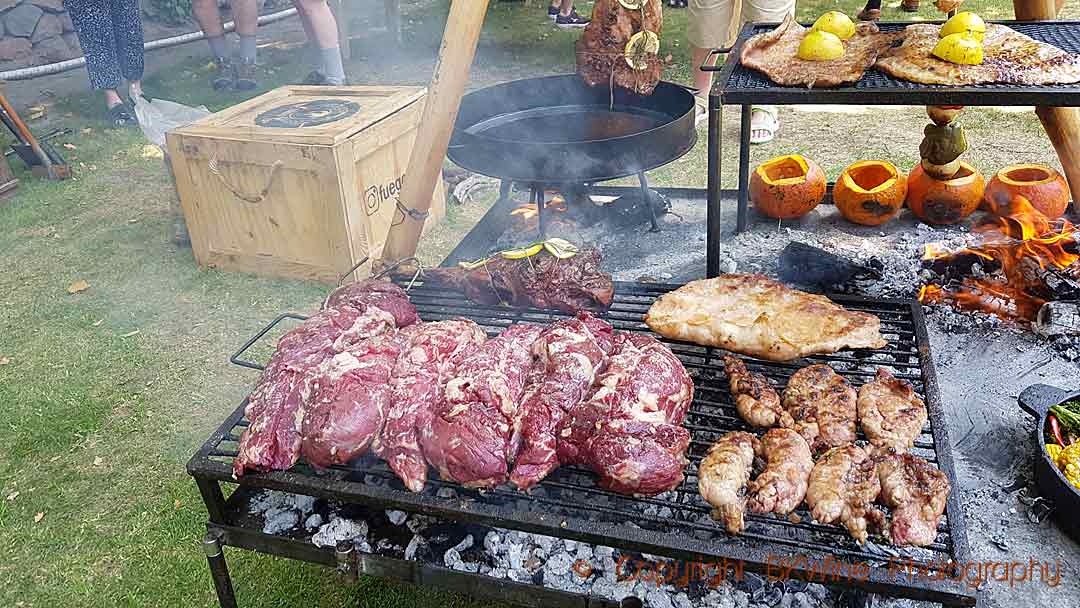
(106,393)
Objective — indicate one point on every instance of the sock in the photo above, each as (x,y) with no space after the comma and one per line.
(331,65)
(218,45)
(247,48)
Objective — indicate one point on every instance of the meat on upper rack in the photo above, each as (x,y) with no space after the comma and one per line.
(843,487)
(601,51)
(629,429)
(569,354)
(890,413)
(781,487)
(755,400)
(468,440)
(822,405)
(277,405)
(722,477)
(916,491)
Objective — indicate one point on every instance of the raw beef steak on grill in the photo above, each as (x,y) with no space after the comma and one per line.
(569,354)
(628,429)
(276,406)
(428,358)
(349,401)
(469,436)
(602,47)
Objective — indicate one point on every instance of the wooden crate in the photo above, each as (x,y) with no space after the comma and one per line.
(265,189)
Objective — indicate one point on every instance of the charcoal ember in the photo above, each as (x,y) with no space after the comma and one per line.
(338,530)
(795,585)
(603,588)
(493,543)
(559,564)
(417,548)
(516,555)
(752,584)
(683,600)
(803,600)
(280,520)
(659,598)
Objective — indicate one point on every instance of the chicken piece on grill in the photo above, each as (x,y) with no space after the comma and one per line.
(427,360)
(468,440)
(916,492)
(540,281)
(843,487)
(569,355)
(782,485)
(722,477)
(756,401)
(628,429)
(602,47)
(890,413)
(822,405)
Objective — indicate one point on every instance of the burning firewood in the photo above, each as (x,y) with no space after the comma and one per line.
(1058,318)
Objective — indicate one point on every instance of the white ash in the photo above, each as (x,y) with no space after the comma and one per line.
(397,517)
(340,529)
(313,522)
(276,521)
(281,511)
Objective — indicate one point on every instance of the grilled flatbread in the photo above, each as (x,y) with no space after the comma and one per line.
(1009,58)
(775,54)
(757,316)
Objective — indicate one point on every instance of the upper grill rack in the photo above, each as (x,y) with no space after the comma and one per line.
(741,85)
(676,524)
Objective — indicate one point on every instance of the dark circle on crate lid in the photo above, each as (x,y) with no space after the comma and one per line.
(307,113)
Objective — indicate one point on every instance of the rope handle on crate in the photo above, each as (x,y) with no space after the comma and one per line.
(247,198)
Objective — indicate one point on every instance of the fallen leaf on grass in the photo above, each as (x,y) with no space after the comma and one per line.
(78,286)
(13,496)
(36,112)
(98,461)
(55,458)
(5,360)
(98,322)
(40,516)
(177,503)
(70,146)
(129,334)
(87,131)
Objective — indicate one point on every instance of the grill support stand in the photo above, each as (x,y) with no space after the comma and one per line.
(714,209)
(219,570)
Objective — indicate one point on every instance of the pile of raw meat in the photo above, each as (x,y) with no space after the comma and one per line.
(366,374)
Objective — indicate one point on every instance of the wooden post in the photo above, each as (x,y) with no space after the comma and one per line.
(436,125)
(1062,125)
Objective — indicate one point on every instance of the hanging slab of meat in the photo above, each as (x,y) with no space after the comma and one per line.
(350,398)
(757,316)
(782,485)
(843,487)
(722,477)
(276,406)
(628,429)
(822,406)
(775,54)
(916,492)
(540,281)
(1009,57)
(569,354)
(756,401)
(428,358)
(602,47)
(468,440)
(890,413)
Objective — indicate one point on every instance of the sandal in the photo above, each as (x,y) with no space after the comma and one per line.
(763,125)
(869,14)
(119,116)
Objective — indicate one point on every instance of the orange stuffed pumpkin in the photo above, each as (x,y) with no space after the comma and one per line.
(947,201)
(870,192)
(1042,186)
(787,187)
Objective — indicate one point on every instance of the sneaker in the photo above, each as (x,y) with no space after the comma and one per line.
(553,12)
(245,75)
(119,117)
(571,20)
(222,75)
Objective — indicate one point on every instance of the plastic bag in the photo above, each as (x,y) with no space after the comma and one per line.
(159,116)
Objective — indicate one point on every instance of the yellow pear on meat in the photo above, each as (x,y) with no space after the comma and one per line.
(835,23)
(965,22)
(819,45)
(962,48)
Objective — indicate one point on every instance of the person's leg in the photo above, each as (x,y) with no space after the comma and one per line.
(246,15)
(324,27)
(209,18)
(127,29)
(764,120)
(707,28)
(93,26)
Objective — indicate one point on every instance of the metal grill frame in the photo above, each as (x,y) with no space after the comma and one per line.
(758,549)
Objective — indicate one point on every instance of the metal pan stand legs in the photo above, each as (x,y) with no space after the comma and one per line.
(744,169)
(219,570)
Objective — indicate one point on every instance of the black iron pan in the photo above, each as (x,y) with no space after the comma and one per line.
(1037,400)
(557,130)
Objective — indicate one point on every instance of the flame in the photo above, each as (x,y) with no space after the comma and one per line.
(1011,245)
(528,210)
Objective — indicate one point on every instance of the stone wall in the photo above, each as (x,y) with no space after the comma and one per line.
(35,32)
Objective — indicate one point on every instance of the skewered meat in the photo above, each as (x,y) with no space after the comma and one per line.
(756,401)
(722,477)
(890,413)
(775,54)
(276,407)
(916,492)
(350,398)
(541,281)
(822,405)
(568,356)
(843,487)
(468,440)
(1008,57)
(782,485)
(628,430)
(429,356)
(757,316)
(602,47)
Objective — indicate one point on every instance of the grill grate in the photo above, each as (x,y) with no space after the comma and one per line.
(676,524)
(739,84)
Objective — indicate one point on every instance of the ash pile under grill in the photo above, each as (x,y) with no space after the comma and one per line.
(521,557)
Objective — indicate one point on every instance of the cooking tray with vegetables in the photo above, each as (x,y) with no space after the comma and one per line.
(1057,466)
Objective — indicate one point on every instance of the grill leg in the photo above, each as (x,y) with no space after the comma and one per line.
(744,169)
(647,198)
(219,570)
(541,217)
(714,209)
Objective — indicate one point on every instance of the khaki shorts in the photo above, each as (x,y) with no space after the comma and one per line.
(715,23)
